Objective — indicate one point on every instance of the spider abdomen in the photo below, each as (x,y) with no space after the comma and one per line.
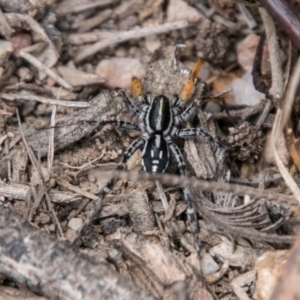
(155,154)
(159,117)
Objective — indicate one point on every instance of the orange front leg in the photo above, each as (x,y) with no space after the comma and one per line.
(189,85)
(137,89)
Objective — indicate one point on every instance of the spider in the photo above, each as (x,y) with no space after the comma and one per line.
(159,121)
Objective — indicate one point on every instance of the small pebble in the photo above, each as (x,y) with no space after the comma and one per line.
(180,10)
(24,74)
(209,266)
(75,224)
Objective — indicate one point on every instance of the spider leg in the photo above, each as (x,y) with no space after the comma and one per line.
(129,105)
(187,114)
(137,89)
(192,217)
(122,124)
(148,98)
(193,132)
(132,108)
(189,85)
(134,146)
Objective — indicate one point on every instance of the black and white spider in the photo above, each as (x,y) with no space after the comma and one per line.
(159,121)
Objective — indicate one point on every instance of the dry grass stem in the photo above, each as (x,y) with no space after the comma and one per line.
(51,139)
(40,66)
(5,28)
(71,6)
(20,20)
(36,165)
(203,185)
(276,89)
(16,97)
(129,35)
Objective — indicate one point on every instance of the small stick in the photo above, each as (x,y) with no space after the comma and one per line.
(21,20)
(286,16)
(204,185)
(281,118)
(35,165)
(37,202)
(129,35)
(89,24)
(15,97)
(162,195)
(35,62)
(55,270)
(21,191)
(264,114)
(247,16)
(276,89)
(51,139)
(71,6)
(5,28)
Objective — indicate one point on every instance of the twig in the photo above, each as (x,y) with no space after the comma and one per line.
(9,175)
(281,119)
(37,202)
(51,139)
(204,185)
(106,106)
(129,35)
(35,165)
(71,6)
(20,192)
(91,37)
(276,89)
(89,24)
(290,95)
(55,270)
(247,16)
(84,165)
(76,189)
(40,66)
(14,97)
(286,16)
(264,114)
(162,195)
(5,28)
(25,20)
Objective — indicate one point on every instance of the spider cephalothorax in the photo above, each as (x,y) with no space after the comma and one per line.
(159,121)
